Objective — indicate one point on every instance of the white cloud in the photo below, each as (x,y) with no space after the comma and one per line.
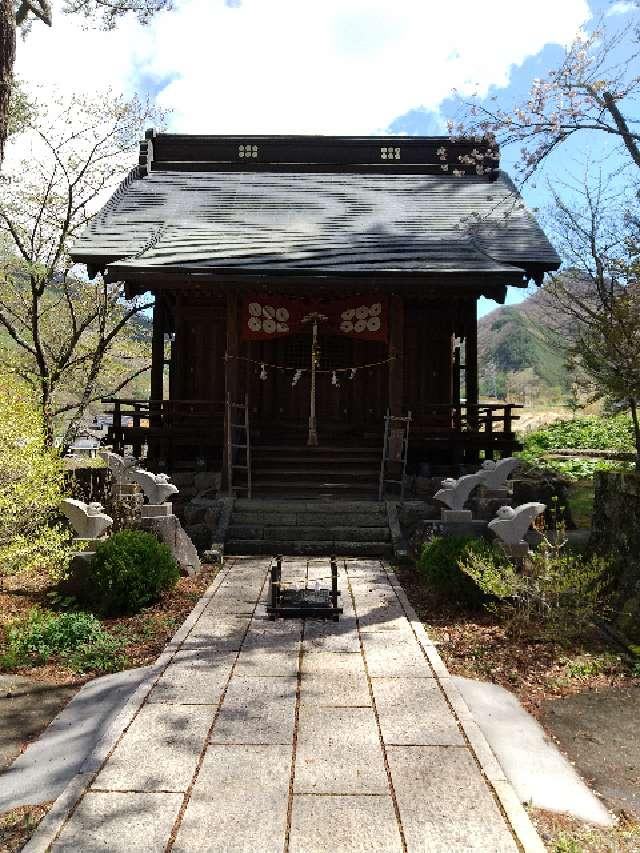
(622,8)
(319,66)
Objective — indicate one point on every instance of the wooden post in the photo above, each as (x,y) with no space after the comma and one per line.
(157,366)
(231,375)
(471,372)
(157,349)
(396,350)
(471,355)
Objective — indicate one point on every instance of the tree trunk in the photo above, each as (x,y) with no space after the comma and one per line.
(7,59)
(633,405)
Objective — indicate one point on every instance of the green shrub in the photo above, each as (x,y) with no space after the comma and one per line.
(31,486)
(77,640)
(129,571)
(613,432)
(559,590)
(440,560)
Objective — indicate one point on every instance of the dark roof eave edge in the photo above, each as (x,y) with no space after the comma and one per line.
(124,272)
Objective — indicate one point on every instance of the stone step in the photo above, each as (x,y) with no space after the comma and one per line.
(297,450)
(342,469)
(324,484)
(316,506)
(310,519)
(318,548)
(309,534)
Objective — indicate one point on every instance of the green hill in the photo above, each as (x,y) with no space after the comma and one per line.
(522,351)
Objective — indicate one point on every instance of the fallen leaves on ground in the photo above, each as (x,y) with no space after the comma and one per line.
(478,644)
(144,634)
(562,834)
(18,825)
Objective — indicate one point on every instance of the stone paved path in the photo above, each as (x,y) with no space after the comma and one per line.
(293,736)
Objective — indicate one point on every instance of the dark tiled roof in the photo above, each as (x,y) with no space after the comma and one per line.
(318,222)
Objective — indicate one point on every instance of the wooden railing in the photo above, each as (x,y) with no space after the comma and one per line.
(472,417)
(485,427)
(135,422)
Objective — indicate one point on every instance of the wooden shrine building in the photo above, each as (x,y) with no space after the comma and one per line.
(386,242)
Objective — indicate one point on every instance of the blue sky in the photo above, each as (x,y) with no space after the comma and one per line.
(323,66)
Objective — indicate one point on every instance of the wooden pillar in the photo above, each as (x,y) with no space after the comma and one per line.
(157,349)
(396,349)
(232,372)
(471,375)
(471,353)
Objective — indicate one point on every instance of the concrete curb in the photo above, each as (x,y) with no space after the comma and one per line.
(57,816)
(520,822)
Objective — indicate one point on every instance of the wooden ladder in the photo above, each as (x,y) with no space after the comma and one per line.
(395,450)
(238,439)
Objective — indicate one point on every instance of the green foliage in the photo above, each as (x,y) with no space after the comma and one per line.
(566,844)
(588,666)
(439,563)
(614,433)
(129,571)
(31,486)
(524,353)
(557,590)
(76,640)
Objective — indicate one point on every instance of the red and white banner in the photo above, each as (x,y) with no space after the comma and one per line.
(268,317)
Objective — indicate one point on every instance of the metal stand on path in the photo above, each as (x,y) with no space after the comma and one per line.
(394,450)
(303,602)
(238,440)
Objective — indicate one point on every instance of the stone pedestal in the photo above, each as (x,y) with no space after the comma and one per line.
(169,530)
(125,490)
(157,510)
(456,515)
(503,494)
(517,550)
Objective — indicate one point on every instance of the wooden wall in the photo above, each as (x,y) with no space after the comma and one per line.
(198,350)
(422,376)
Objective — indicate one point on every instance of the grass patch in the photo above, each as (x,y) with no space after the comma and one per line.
(614,433)
(77,641)
(580,499)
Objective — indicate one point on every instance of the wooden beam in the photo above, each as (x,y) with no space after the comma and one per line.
(396,349)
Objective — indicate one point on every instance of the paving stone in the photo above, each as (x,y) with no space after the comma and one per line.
(387,658)
(329,636)
(120,823)
(195,677)
(444,802)
(257,710)
(398,627)
(339,752)
(344,825)
(160,750)
(239,801)
(215,632)
(414,711)
(269,660)
(264,632)
(378,613)
(334,679)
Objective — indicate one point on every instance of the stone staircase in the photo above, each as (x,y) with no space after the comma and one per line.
(309,528)
(325,472)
